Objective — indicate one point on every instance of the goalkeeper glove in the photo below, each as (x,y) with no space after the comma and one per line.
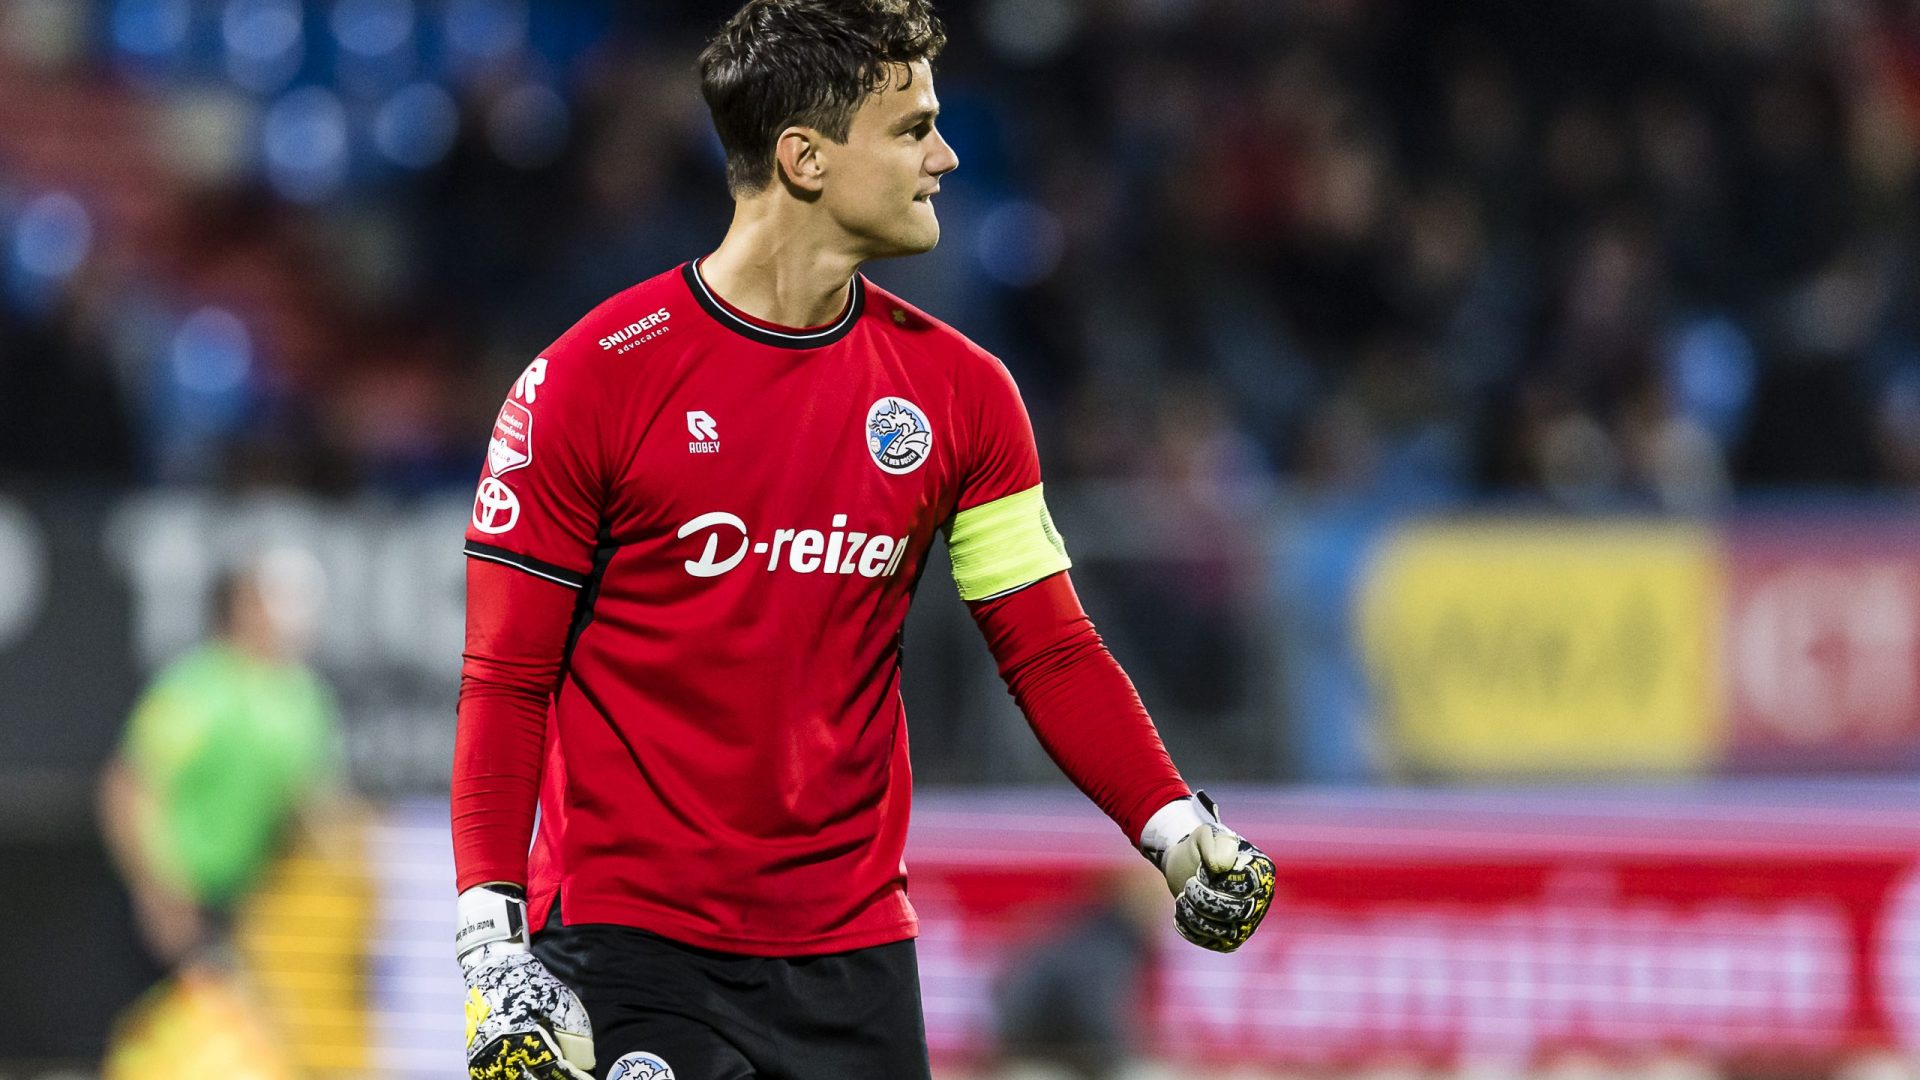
(522,1023)
(1222,884)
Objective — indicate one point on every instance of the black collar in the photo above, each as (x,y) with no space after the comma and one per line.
(784,339)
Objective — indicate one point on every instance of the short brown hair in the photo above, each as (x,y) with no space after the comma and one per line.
(777,63)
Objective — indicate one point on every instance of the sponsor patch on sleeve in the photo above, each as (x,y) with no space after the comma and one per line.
(512,444)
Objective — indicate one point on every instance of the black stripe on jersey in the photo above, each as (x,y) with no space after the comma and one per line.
(559,574)
(603,553)
(784,339)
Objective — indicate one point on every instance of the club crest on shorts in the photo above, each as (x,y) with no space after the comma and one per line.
(638,1066)
(898,435)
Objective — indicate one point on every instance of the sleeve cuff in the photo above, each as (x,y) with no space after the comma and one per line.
(492,917)
(1170,824)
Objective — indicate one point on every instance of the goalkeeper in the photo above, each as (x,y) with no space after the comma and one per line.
(702,517)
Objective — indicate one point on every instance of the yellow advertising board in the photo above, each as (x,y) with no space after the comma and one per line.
(293,1002)
(1527,647)
(302,938)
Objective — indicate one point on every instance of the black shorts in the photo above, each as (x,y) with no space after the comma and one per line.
(722,1016)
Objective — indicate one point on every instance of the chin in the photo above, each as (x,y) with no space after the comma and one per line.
(925,235)
(917,242)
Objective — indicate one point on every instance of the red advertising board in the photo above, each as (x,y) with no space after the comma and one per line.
(1821,651)
(1455,929)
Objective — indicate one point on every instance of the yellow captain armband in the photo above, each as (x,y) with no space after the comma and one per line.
(1000,546)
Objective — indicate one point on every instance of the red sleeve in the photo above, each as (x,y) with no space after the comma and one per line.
(1004,459)
(530,540)
(1081,705)
(516,634)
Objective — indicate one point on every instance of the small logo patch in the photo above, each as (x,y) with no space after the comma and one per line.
(512,444)
(638,1066)
(705,432)
(495,507)
(898,435)
(527,386)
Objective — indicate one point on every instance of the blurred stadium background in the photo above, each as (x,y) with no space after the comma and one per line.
(1487,430)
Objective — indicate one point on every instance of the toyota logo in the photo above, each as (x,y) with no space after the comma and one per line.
(495,508)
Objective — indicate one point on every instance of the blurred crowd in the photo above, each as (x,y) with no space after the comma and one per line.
(1594,252)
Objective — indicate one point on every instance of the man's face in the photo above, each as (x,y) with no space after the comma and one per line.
(879,184)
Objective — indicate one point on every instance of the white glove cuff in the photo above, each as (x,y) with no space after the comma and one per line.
(492,921)
(1171,824)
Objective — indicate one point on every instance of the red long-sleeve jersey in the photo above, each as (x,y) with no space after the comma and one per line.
(692,551)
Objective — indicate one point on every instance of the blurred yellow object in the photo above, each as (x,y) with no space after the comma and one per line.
(1510,648)
(291,1003)
(199,1024)
(302,939)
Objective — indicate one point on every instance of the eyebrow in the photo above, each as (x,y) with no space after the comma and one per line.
(917,118)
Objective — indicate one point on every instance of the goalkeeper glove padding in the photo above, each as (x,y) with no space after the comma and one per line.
(522,1022)
(1222,885)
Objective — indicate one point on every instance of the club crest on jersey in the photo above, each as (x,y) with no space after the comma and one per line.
(898,435)
(638,1066)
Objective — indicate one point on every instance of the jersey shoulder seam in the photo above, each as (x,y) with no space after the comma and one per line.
(900,315)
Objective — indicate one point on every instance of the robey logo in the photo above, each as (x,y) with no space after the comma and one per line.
(803,551)
(705,432)
(527,386)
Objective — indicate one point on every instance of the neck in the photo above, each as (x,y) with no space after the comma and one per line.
(774,268)
(256,643)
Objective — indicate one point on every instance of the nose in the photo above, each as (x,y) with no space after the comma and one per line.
(942,160)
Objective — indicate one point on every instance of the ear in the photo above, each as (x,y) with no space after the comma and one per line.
(796,153)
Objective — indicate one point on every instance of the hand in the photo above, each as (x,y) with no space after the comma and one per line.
(172,924)
(522,1022)
(1222,884)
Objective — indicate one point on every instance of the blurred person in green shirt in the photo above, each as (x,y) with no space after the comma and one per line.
(233,746)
